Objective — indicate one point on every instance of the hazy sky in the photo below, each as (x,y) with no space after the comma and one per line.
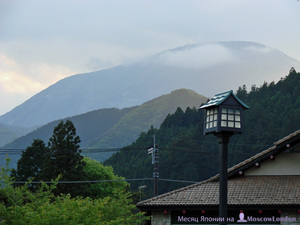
(43,41)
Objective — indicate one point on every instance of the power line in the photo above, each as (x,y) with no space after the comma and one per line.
(103,181)
(17,151)
(94,151)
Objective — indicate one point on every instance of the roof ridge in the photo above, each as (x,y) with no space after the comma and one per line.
(258,155)
(287,137)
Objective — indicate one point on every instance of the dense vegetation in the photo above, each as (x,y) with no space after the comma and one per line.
(19,205)
(186,154)
(61,157)
(76,195)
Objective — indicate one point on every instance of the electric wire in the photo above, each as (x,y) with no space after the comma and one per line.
(112,150)
(102,181)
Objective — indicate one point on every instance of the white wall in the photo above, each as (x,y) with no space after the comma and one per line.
(283,164)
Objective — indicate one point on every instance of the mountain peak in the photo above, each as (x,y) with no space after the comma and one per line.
(206,68)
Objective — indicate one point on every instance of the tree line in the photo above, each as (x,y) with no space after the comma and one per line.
(186,154)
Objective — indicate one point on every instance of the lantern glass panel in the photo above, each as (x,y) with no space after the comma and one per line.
(231,118)
(237,125)
(215,123)
(211,118)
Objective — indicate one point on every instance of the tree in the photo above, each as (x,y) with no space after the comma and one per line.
(31,162)
(64,158)
(95,170)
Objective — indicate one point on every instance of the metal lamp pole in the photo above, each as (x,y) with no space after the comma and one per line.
(223,164)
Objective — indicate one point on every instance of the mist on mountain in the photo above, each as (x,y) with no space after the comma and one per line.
(205,68)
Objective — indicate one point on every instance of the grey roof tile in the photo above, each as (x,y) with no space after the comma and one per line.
(248,190)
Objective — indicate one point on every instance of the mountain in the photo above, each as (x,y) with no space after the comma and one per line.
(10,133)
(186,154)
(115,128)
(206,68)
(151,113)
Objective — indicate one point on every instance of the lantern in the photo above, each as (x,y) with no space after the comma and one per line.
(224,114)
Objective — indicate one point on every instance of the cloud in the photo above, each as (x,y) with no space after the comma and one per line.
(48,40)
(19,81)
(202,56)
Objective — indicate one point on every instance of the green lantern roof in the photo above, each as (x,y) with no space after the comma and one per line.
(219,98)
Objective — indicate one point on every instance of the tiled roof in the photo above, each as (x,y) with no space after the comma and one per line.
(248,190)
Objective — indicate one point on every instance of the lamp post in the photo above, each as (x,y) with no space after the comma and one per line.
(223,118)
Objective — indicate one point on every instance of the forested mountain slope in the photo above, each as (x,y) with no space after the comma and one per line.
(113,128)
(186,154)
(142,117)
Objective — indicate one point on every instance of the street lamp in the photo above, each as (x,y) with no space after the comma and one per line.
(223,117)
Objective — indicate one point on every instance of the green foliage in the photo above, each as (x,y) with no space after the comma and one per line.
(31,162)
(186,154)
(96,171)
(64,154)
(18,205)
(62,157)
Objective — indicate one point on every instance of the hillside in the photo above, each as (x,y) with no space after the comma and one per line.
(88,126)
(206,68)
(186,154)
(10,133)
(150,113)
(115,128)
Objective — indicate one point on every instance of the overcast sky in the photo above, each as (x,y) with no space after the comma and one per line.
(43,41)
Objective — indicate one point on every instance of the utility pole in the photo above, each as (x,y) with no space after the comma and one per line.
(155,170)
(155,160)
